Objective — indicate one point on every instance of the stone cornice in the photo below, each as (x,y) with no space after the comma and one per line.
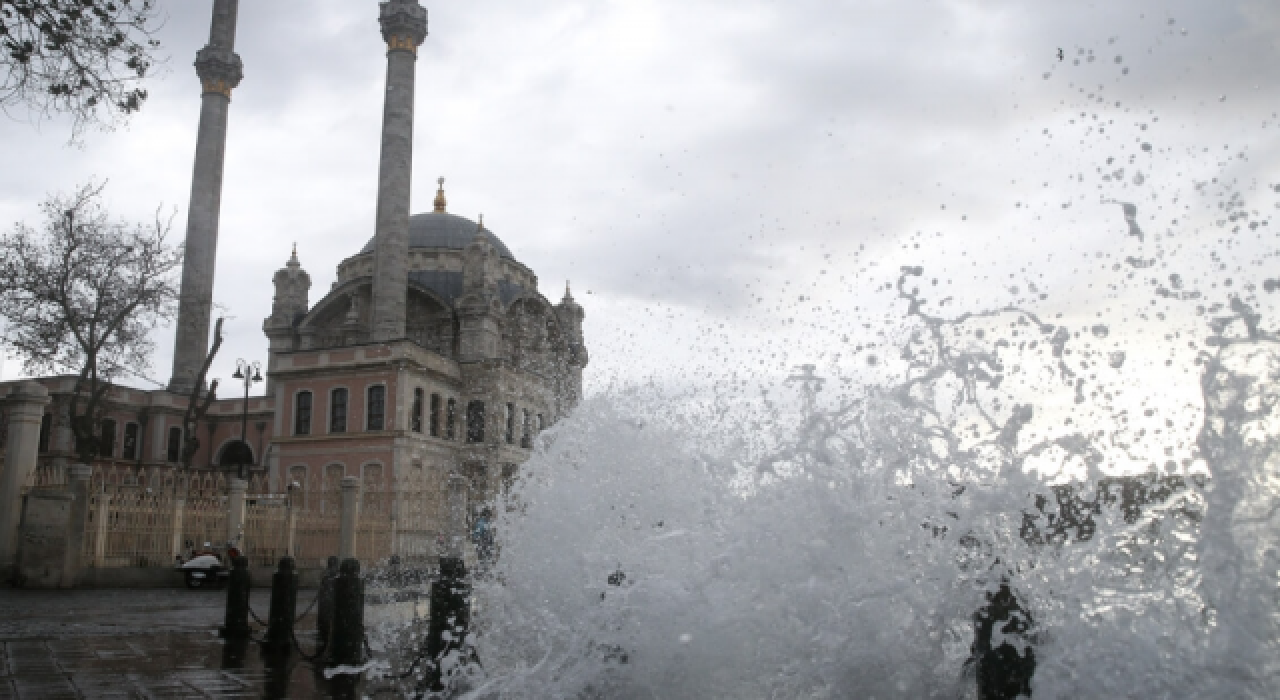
(219,69)
(404,25)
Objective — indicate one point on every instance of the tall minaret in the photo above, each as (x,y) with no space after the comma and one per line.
(404,27)
(220,70)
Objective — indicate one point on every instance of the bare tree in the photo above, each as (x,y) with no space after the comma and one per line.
(84,58)
(83,296)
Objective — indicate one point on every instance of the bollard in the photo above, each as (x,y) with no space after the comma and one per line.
(346,645)
(1002,672)
(450,616)
(395,577)
(324,601)
(236,623)
(284,604)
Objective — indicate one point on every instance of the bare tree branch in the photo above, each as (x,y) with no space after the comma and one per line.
(83,295)
(83,58)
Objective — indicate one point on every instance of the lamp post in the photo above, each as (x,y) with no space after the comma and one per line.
(248,372)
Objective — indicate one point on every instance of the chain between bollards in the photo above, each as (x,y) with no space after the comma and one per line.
(310,607)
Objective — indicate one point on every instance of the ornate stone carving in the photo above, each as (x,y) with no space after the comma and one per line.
(292,285)
(220,70)
(404,24)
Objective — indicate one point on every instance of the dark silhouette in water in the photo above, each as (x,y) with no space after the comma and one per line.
(1003,673)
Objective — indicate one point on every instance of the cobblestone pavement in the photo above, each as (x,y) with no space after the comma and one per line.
(147,644)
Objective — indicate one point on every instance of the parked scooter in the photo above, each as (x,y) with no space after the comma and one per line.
(204,569)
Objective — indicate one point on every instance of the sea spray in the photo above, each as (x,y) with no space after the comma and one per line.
(842,550)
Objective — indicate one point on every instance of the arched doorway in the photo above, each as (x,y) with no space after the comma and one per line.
(234,454)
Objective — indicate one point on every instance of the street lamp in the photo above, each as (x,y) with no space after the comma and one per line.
(248,373)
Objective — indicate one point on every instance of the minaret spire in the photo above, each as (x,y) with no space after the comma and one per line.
(440,202)
(404,27)
(220,71)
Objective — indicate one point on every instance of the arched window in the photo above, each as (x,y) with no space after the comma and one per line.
(511,423)
(235,453)
(540,424)
(130,448)
(107,442)
(332,501)
(435,415)
(298,475)
(174,451)
(374,497)
(338,411)
(302,414)
(475,421)
(450,419)
(415,421)
(525,440)
(376,408)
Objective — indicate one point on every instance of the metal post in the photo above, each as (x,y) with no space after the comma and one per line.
(350,517)
(179,513)
(284,604)
(235,509)
(236,623)
(347,645)
(244,427)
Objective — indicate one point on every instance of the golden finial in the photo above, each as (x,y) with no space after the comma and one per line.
(440,201)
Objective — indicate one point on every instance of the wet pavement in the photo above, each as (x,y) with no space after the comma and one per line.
(158,643)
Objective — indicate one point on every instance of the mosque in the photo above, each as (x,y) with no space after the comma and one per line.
(433,357)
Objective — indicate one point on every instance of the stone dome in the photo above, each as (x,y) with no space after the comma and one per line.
(440,229)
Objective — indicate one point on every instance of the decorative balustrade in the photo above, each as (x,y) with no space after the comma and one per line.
(130,527)
(146,518)
(46,476)
(266,530)
(375,528)
(315,537)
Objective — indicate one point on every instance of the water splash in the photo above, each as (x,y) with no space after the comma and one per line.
(693,546)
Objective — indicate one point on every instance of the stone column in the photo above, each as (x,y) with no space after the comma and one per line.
(235,509)
(350,517)
(455,536)
(220,71)
(26,406)
(78,476)
(404,27)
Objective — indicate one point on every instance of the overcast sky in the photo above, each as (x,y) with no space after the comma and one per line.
(726,178)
